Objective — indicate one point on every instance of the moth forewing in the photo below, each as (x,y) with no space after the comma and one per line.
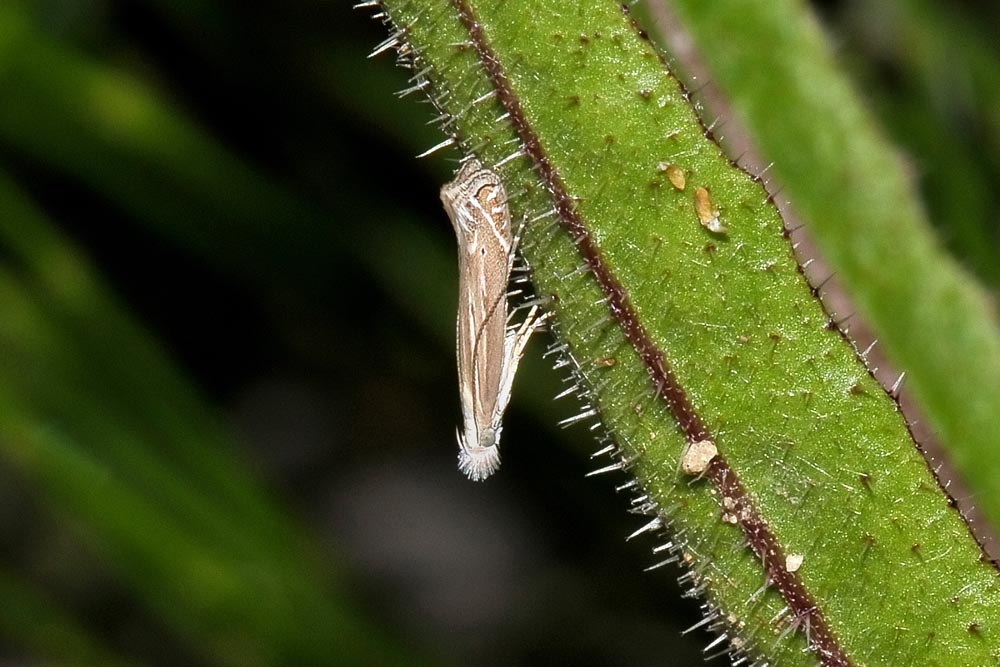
(488,350)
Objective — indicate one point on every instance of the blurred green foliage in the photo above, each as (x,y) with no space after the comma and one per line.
(226,376)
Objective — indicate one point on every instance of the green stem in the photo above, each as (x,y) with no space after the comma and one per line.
(682,335)
(856,194)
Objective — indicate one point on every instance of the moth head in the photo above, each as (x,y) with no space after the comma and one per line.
(456,193)
(479,461)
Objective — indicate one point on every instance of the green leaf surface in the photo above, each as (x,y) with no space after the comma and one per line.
(823,454)
(854,192)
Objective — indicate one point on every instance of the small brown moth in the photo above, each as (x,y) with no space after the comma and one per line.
(488,348)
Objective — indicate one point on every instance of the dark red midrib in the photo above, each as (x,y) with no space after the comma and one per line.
(755,529)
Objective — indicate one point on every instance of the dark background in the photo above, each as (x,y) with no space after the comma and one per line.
(241,183)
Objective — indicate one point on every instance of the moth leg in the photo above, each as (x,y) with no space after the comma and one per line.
(514,343)
(479,460)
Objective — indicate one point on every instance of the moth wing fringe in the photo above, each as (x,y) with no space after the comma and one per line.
(477,462)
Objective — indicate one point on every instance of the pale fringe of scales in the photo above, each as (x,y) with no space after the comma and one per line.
(478,463)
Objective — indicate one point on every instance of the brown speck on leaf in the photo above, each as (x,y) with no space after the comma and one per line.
(674,174)
(606,362)
(707,215)
(697,456)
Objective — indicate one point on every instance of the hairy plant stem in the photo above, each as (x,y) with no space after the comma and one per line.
(818,531)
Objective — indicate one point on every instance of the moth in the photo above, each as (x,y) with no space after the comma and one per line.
(488,348)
